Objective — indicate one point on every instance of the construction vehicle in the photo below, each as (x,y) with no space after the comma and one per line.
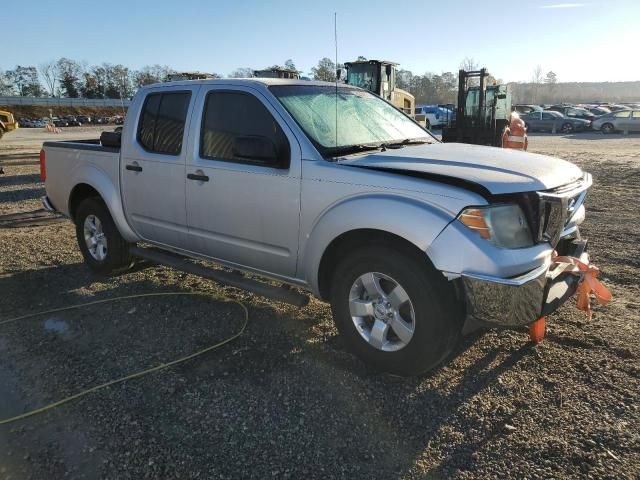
(7,122)
(483,113)
(277,72)
(379,77)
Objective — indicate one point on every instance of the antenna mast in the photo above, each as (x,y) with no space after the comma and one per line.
(335,39)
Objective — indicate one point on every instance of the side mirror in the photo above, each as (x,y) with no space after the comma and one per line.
(388,70)
(256,148)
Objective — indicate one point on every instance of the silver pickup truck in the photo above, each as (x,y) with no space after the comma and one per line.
(333,190)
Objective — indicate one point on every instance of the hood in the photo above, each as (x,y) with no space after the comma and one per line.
(496,170)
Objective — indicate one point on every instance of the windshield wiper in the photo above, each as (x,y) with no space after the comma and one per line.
(337,151)
(349,149)
(402,143)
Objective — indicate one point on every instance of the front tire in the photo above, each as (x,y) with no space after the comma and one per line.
(607,128)
(102,246)
(396,312)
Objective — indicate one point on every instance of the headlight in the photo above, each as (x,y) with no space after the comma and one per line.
(503,225)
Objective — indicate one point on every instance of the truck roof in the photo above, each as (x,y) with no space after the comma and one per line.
(244,82)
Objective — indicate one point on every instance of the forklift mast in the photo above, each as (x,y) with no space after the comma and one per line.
(482,113)
(474,117)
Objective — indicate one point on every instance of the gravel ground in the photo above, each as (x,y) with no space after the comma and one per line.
(286,400)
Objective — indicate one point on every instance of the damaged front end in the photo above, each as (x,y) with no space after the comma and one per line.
(554,216)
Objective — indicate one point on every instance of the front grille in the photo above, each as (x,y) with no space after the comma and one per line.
(556,208)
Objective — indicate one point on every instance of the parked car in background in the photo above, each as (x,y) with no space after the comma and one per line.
(25,123)
(616,108)
(572,112)
(597,111)
(72,121)
(437,116)
(546,120)
(84,119)
(60,122)
(525,108)
(621,120)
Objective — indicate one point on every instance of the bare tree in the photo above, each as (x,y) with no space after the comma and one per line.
(537,75)
(50,73)
(469,64)
(242,72)
(150,74)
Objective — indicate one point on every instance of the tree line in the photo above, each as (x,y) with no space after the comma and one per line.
(72,79)
(66,77)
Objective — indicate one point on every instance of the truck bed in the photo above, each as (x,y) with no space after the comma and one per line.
(92,145)
(69,163)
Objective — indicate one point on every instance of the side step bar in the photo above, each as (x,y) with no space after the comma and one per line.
(179,262)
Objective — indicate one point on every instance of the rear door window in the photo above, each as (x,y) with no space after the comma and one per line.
(621,114)
(162,121)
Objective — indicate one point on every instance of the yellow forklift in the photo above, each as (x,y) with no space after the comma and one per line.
(379,77)
(7,122)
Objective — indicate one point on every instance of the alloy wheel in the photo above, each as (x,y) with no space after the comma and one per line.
(95,238)
(382,311)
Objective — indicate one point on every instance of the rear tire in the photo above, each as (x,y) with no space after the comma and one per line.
(431,317)
(102,246)
(607,128)
(566,128)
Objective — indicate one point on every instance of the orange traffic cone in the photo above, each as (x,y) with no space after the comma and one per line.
(537,330)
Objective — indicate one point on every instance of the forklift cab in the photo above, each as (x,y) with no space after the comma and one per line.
(376,76)
(496,104)
(483,110)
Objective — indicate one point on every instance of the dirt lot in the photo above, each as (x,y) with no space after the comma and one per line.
(286,400)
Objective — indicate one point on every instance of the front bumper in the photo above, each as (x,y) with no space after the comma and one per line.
(513,302)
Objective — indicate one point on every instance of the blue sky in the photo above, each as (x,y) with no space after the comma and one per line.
(580,41)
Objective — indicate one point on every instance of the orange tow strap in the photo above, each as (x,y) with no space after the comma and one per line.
(588,283)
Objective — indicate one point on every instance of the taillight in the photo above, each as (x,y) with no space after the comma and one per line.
(43,166)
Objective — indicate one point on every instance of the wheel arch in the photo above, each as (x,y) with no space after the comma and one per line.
(80,192)
(405,222)
(92,182)
(353,239)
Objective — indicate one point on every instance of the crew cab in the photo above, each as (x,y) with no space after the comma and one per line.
(333,190)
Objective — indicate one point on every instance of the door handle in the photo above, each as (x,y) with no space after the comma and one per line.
(195,176)
(134,168)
